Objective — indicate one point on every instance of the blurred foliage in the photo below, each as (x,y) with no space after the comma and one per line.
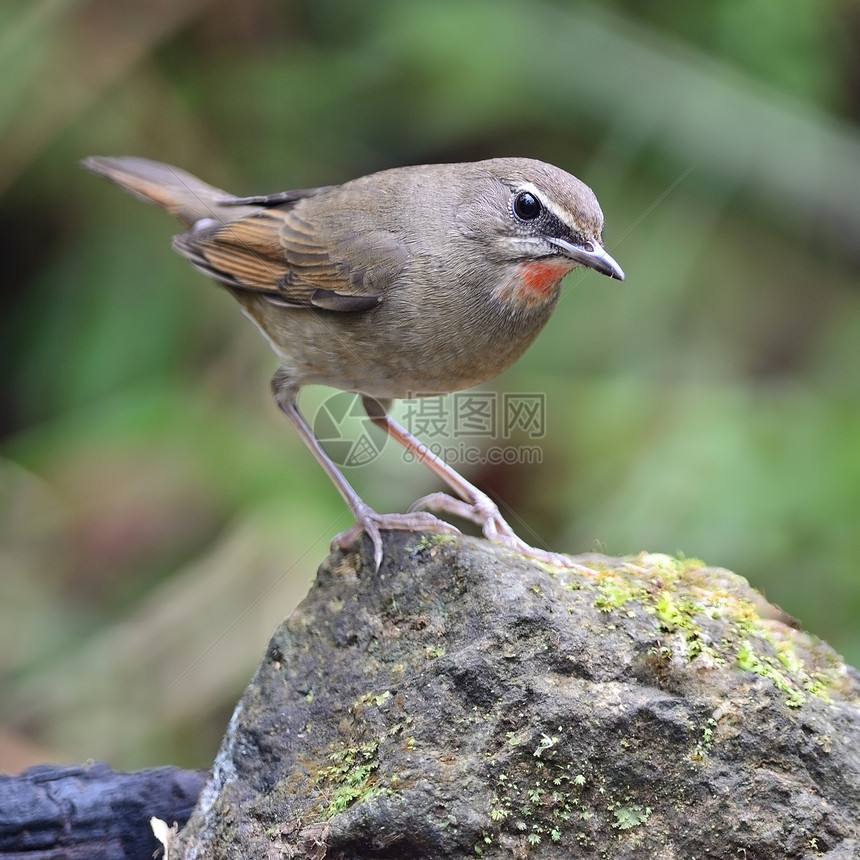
(158,516)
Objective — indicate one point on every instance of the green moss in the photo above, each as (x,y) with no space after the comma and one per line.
(351,774)
(683,596)
(537,796)
(540,796)
(704,746)
(350,779)
(627,817)
(702,617)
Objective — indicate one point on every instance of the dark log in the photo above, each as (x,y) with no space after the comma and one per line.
(90,812)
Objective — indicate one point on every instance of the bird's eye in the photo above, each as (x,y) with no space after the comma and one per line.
(526,206)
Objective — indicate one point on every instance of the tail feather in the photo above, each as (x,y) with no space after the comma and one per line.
(185,196)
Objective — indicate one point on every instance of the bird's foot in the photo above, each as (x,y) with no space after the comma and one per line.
(372,524)
(485,513)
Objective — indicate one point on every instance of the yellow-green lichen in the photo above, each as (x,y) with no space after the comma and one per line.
(429,541)
(375,700)
(783,669)
(614,592)
(683,596)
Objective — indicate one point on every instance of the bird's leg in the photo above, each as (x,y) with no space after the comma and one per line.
(367,520)
(473,504)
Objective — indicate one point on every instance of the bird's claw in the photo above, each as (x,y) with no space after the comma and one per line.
(485,513)
(372,524)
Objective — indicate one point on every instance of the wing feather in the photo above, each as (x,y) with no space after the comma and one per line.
(306,253)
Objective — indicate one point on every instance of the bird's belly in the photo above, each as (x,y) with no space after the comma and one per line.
(389,357)
(386,378)
(429,365)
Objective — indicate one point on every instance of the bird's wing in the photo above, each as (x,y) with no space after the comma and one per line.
(298,256)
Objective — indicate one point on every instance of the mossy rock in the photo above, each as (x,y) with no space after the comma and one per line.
(465,702)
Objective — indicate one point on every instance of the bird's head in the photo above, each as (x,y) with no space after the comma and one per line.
(541,220)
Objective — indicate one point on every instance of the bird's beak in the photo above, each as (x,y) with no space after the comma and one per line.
(593,255)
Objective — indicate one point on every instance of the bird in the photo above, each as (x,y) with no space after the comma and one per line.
(410,282)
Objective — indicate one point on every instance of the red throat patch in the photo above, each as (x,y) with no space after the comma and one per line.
(540,280)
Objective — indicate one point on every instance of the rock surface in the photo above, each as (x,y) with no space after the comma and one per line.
(466,702)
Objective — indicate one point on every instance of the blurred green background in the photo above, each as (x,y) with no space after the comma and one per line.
(158,515)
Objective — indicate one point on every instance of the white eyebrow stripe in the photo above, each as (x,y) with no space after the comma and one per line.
(562,216)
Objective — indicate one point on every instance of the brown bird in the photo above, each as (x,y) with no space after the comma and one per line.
(410,282)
